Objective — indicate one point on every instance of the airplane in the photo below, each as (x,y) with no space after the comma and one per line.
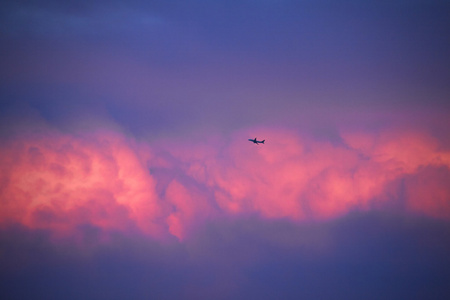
(256,142)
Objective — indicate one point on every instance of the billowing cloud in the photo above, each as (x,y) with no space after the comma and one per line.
(59,181)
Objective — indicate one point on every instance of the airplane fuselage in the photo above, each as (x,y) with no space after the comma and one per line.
(255,141)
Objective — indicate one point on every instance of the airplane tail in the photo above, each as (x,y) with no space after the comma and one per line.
(263,141)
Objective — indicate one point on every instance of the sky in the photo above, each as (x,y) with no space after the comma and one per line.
(126,170)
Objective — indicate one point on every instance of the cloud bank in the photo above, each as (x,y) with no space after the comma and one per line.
(58,181)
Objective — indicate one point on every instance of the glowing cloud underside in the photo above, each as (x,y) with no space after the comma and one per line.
(58,181)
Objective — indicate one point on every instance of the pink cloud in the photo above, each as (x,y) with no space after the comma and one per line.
(60,181)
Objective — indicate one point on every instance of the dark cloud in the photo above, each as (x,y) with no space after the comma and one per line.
(360,256)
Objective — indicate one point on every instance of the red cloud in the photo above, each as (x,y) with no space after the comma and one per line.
(60,181)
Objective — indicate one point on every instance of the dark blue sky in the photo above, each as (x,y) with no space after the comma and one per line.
(152,65)
(369,256)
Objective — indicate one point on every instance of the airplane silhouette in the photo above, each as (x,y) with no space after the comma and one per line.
(256,142)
